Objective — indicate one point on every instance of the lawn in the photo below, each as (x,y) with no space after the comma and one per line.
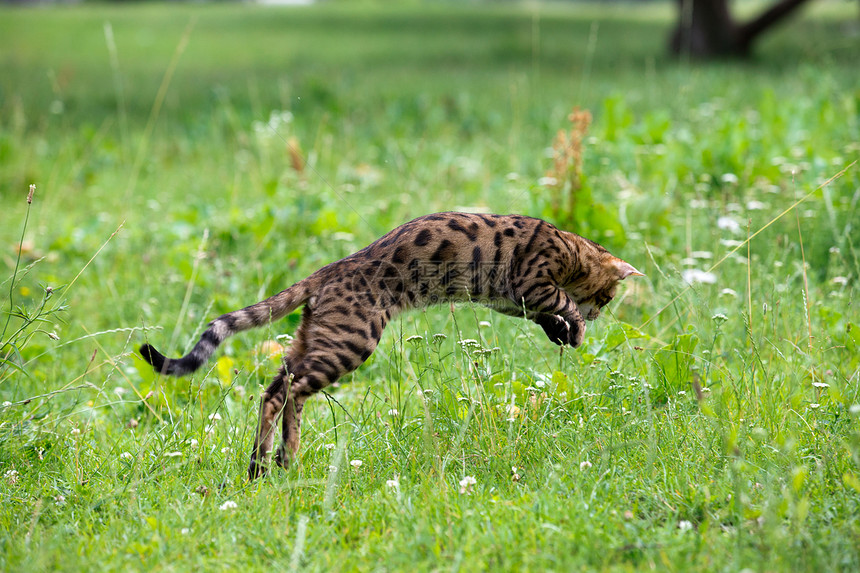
(189,160)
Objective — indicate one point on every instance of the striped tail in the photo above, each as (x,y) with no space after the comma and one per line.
(226,325)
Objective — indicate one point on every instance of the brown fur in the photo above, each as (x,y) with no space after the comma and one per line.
(516,265)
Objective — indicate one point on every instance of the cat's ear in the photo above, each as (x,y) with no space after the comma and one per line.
(625,269)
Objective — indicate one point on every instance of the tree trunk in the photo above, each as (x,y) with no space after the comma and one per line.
(706,29)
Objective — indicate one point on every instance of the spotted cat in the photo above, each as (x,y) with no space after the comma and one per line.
(516,265)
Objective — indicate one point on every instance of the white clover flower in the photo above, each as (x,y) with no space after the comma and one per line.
(584,465)
(229,504)
(815,406)
(126,456)
(393,483)
(329,447)
(692,276)
(193,443)
(356,463)
(466,484)
(7,403)
(11,476)
(685,525)
(728,224)
(75,432)
(60,498)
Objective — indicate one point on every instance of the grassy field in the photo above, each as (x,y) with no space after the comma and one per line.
(711,420)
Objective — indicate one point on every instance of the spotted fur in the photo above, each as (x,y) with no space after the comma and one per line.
(516,265)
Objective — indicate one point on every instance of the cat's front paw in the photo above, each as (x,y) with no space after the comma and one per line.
(556,328)
(256,468)
(576,333)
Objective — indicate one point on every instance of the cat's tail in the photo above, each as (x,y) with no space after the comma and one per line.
(226,325)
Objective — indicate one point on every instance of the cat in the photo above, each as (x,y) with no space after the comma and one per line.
(516,265)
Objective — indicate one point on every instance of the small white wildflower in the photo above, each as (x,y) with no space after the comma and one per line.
(719,318)
(438,337)
(332,469)
(185,531)
(512,176)
(729,178)
(685,525)
(209,430)
(469,342)
(548,181)
(11,476)
(728,224)
(229,504)
(356,463)
(515,474)
(329,447)
(682,392)
(193,443)
(854,409)
(821,384)
(172,454)
(466,484)
(815,406)
(705,389)
(225,450)
(730,243)
(834,250)
(393,483)
(60,498)
(756,205)
(126,456)
(393,412)
(415,338)
(584,465)
(840,280)
(7,403)
(75,432)
(702,255)
(729,292)
(214,417)
(692,276)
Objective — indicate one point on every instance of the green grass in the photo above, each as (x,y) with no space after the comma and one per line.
(704,427)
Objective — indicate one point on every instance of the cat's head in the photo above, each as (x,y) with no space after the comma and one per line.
(598,286)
